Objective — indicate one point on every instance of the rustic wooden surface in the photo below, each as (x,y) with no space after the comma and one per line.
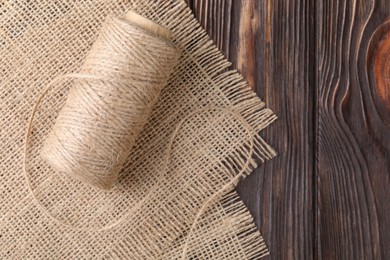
(353,167)
(324,68)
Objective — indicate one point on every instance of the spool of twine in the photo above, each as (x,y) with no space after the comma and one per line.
(105,111)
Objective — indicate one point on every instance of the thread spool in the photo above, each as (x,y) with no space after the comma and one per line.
(105,111)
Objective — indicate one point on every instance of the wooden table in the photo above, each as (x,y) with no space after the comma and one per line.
(324,68)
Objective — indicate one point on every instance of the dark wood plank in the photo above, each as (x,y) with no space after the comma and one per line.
(353,198)
(269,43)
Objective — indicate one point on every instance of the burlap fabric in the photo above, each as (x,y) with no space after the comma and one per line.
(149,212)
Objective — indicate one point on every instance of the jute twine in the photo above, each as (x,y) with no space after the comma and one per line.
(166,162)
(83,121)
(107,108)
(187,209)
(61,140)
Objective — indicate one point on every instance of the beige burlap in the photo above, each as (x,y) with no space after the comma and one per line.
(151,210)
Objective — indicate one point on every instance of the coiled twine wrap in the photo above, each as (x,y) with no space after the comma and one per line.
(107,107)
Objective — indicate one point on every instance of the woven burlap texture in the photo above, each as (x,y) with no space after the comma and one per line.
(149,212)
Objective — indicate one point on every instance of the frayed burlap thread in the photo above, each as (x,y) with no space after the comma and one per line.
(45,39)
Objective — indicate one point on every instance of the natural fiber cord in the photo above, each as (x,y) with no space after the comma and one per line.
(188,209)
(105,111)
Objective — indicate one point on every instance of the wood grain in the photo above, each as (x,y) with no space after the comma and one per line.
(353,188)
(269,43)
(324,68)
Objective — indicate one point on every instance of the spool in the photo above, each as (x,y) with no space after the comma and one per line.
(111,100)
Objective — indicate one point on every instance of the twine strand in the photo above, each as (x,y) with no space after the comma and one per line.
(107,77)
(209,202)
(166,162)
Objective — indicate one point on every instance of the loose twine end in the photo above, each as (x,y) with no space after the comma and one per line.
(107,108)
